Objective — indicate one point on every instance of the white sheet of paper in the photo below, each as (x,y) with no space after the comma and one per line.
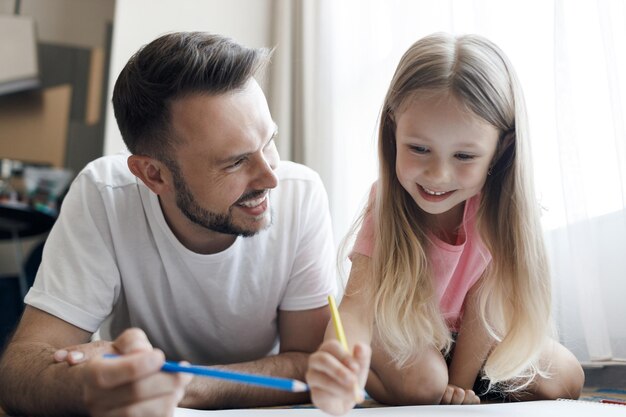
(523,409)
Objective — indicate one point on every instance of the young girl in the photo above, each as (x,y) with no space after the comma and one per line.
(449,283)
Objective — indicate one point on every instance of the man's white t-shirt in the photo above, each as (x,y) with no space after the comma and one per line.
(112,262)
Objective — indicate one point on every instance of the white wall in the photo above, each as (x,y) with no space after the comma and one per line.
(137,22)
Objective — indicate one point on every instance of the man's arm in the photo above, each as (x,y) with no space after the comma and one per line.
(34,383)
(301,332)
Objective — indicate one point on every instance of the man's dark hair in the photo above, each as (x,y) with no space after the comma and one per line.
(171,67)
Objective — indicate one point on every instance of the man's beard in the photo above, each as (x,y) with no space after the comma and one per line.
(217,222)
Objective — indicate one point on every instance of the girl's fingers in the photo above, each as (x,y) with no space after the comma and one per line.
(336,350)
(331,386)
(447,395)
(363,355)
(334,376)
(323,363)
(458,395)
(471,397)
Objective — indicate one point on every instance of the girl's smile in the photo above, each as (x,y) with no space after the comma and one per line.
(434,196)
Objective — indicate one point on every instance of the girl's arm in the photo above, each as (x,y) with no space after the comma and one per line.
(333,373)
(357,305)
(472,346)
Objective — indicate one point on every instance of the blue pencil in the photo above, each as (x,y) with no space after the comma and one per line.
(284,384)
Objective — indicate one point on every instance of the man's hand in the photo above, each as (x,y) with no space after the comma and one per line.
(132,383)
(457,395)
(333,374)
(76,354)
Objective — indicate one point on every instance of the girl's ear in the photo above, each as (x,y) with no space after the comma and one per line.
(151,172)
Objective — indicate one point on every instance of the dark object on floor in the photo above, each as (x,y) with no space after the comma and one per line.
(608,376)
(18,221)
(10,308)
(11,302)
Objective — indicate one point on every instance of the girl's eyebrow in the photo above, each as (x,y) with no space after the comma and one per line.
(465,145)
(473,145)
(416,137)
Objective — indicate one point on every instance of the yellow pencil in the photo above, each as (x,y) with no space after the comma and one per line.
(337,323)
(341,336)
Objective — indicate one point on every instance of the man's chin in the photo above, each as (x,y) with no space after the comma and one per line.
(258,224)
(258,227)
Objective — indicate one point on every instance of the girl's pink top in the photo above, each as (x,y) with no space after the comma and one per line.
(455,267)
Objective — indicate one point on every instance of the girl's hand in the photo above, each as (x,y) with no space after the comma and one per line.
(457,395)
(333,375)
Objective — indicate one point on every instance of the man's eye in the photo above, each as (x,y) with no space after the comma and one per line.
(238,163)
(464,156)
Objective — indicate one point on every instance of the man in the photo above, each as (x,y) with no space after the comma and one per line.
(201,241)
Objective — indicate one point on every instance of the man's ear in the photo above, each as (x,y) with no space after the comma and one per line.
(152,172)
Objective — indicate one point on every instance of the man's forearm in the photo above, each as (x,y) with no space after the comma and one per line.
(33,384)
(208,393)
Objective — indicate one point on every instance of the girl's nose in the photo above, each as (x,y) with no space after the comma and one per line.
(438,172)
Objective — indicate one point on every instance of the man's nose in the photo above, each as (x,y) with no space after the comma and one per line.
(268,162)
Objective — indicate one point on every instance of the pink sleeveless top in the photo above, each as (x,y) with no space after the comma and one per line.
(455,267)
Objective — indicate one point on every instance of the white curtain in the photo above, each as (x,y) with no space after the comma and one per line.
(298,94)
(571,58)
(588,244)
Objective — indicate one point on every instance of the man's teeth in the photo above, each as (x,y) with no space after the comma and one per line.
(434,192)
(252,203)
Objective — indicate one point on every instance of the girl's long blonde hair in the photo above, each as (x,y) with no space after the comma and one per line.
(514,295)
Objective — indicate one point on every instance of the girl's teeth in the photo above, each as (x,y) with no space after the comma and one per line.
(434,192)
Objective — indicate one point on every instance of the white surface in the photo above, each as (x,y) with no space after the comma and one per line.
(531,409)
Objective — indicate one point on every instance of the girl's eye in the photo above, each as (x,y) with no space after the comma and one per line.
(464,157)
(419,149)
